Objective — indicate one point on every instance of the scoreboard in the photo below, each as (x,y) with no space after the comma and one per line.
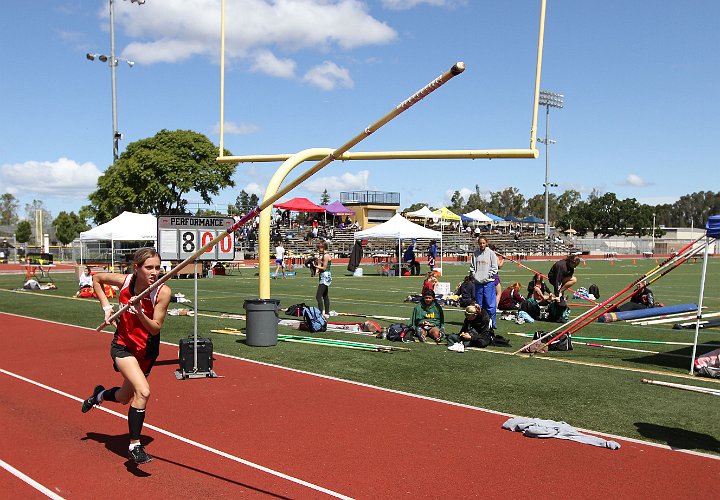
(180,236)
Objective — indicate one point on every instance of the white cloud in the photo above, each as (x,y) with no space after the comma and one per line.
(266,62)
(409,4)
(635,181)
(173,31)
(236,128)
(334,184)
(63,178)
(254,188)
(329,75)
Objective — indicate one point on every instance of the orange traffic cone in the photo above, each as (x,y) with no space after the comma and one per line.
(633,261)
(612,261)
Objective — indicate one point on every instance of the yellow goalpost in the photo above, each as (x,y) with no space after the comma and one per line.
(292,160)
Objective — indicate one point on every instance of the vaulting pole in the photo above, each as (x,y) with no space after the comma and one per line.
(583,317)
(438,82)
(672,265)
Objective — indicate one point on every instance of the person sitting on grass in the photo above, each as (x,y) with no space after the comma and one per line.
(428,318)
(85,285)
(428,284)
(538,290)
(642,298)
(476,330)
(466,291)
(510,298)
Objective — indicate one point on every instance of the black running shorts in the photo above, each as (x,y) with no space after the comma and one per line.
(120,351)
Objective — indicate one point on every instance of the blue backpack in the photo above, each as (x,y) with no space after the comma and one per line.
(314,319)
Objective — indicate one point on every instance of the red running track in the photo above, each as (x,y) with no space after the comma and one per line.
(320,433)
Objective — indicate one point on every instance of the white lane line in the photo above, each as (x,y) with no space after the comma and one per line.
(189,441)
(24,477)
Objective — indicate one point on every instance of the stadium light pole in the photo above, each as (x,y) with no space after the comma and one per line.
(549,100)
(113,62)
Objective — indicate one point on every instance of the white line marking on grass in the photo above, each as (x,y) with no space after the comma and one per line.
(188,441)
(42,489)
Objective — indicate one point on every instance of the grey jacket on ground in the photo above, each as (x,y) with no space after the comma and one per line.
(536,427)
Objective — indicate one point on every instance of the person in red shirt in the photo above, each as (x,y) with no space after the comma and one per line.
(510,298)
(136,343)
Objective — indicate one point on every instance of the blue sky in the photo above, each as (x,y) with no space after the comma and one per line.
(640,81)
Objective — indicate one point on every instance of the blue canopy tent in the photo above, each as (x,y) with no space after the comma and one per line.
(531,219)
(494,217)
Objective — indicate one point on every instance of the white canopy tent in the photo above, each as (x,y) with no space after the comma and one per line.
(423,213)
(127,226)
(399,228)
(478,216)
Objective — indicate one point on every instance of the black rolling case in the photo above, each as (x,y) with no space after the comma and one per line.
(204,355)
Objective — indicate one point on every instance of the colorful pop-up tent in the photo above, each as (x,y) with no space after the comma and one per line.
(337,208)
(299,205)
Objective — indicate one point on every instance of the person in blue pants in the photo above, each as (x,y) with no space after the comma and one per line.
(484,267)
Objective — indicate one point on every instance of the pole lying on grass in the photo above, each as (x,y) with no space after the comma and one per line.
(565,328)
(457,69)
(693,388)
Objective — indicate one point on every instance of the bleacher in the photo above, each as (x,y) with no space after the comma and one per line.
(454,244)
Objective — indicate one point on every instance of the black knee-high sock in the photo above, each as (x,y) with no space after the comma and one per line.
(135,422)
(109,394)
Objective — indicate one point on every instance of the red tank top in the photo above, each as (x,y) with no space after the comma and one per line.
(130,331)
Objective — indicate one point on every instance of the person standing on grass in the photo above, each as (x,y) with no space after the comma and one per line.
(136,343)
(279,259)
(432,255)
(323,267)
(484,267)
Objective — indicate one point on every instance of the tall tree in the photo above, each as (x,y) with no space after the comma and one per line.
(324,198)
(23,231)
(242,203)
(456,202)
(153,176)
(509,201)
(476,200)
(68,226)
(8,209)
(565,202)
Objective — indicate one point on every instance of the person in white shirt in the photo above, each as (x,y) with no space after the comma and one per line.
(279,260)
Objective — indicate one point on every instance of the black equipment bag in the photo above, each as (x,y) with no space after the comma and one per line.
(204,354)
(563,343)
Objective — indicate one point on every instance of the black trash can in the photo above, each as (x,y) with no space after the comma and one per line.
(261,328)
